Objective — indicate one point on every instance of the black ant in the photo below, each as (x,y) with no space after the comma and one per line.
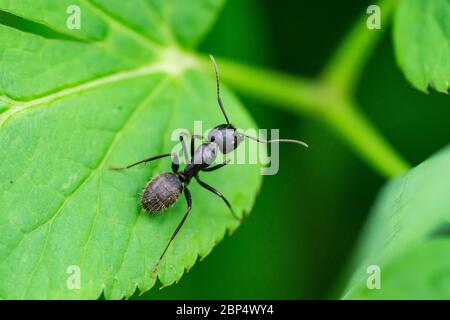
(165,189)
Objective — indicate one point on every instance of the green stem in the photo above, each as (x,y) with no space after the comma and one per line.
(286,91)
(366,141)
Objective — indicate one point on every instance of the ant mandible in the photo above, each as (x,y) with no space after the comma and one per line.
(165,189)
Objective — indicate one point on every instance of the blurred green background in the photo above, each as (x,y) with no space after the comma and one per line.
(307,218)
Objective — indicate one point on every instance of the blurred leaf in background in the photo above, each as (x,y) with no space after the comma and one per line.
(407,236)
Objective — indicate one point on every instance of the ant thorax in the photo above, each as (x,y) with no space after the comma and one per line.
(205,154)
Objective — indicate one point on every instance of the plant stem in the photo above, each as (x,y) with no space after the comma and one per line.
(360,134)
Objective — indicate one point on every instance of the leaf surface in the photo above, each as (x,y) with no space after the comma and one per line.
(422,42)
(407,236)
(110,93)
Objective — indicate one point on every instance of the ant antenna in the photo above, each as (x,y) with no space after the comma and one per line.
(219,100)
(276,140)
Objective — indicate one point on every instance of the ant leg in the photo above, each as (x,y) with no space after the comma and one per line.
(219,194)
(192,147)
(188,197)
(175,163)
(183,146)
(142,161)
(218,166)
(193,137)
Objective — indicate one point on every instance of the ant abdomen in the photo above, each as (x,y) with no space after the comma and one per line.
(161,193)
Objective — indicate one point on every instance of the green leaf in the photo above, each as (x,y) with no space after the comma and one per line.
(407,236)
(110,93)
(422,42)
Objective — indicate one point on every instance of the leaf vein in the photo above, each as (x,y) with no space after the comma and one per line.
(161,67)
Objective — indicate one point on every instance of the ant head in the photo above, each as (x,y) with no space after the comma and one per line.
(225,137)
